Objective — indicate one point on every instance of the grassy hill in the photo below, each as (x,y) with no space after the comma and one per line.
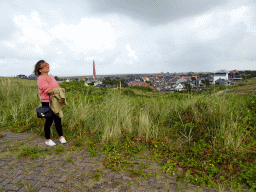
(209,136)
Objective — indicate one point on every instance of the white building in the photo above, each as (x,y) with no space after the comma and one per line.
(220,75)
(179,87)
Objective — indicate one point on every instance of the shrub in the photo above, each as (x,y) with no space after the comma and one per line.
(142,88)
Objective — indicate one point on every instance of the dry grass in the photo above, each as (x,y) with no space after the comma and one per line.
(248,86)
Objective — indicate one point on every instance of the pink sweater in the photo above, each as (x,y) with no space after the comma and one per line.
(45,84)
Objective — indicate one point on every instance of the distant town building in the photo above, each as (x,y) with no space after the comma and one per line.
(32,77)
(179,87)
(180,80)
(234,75)
(97,83)
(220,75)
(145,78)
(139,83)
(22,76)
(103,85)
(201,78)
(222,82)
(159,76)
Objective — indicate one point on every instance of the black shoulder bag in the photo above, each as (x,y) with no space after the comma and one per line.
(44,111)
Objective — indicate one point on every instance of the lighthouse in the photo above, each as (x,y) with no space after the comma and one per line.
(94,71)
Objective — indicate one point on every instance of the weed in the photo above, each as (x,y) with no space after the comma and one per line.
(20,143)
(93,151)
(69,160)
(58,150)
(80,185)
(32,164)
(31,190)
(50,170)
(31,139)
(96,176)
(14,149)
(32,152)
(116,183)
(73,148)
(28,186)
(138,180)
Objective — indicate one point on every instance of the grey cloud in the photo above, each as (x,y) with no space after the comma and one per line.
(195,55)
(154,12)
(7,28)
(174,47)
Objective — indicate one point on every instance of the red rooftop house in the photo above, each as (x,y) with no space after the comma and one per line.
(145,78)
(156,76)
(139,83)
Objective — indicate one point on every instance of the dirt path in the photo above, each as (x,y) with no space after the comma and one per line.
(60,168)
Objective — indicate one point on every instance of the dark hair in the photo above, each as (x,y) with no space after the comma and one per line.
(37,67)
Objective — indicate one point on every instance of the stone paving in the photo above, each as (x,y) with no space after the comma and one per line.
(71,170)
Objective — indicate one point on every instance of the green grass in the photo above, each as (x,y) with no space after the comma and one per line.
(211,137)
(32,152)
(28,186)
(69,160)
(116,183)
(95,176)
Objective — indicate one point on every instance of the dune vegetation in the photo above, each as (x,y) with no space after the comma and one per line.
(204,138)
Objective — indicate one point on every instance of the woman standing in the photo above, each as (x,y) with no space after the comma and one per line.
(46,83)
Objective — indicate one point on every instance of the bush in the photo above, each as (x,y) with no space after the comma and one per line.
(128,91)
(142,88)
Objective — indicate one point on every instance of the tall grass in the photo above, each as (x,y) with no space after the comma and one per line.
(106,114)
(193,124)
(18,98)
(113,115)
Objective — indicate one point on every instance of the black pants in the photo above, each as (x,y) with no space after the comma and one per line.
(48,123)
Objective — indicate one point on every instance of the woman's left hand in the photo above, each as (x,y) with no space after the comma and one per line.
(63,90)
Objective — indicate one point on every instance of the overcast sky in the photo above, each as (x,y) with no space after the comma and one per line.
(127,36)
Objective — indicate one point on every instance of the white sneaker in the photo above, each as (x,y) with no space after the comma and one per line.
(62,140)
(50,143)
